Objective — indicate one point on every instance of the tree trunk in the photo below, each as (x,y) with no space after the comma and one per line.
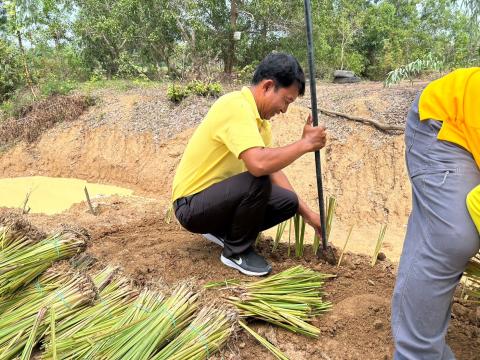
(28,77)
(230,55)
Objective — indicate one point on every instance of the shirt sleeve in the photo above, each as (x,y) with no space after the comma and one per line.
(240,131)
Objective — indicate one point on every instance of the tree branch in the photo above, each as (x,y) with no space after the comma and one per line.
(378,125)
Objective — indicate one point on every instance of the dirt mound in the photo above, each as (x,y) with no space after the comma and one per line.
(37,118)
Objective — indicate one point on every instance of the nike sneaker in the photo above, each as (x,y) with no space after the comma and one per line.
(248,263)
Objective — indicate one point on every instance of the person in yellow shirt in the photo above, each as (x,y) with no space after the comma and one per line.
(442,138)
(229,184)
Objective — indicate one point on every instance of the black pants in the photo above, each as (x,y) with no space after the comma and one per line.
(237,209)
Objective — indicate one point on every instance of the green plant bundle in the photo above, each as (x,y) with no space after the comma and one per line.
(299,230)
(472,274)
(142,339)
(267,344)
(16,233)
(66,296)
(147,302)
(22,266)
(206,334)
(378,245)
(73,335)
(34,292)
(289,299)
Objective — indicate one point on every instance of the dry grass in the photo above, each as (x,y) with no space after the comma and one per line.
(37,118)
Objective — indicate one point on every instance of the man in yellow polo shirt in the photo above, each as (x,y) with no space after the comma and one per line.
(442,139)
(229,185)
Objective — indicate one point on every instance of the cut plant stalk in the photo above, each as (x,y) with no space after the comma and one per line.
(278,236)
(331,205)
(345,246)
(289,236)
(32,339)
(299,227)
(267,344)
(379,243)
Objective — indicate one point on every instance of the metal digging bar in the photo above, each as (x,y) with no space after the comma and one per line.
(327,252)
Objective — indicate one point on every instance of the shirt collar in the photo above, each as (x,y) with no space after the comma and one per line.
(247,93)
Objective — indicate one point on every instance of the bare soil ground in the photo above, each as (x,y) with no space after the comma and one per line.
(117,142)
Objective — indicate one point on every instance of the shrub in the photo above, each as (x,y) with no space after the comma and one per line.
(10,71)
(56,87)
(177,93)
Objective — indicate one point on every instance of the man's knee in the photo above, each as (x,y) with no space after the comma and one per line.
(261,185)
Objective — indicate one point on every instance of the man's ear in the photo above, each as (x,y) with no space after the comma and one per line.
(268,84)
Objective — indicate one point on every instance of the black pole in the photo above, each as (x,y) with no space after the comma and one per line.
(313,93)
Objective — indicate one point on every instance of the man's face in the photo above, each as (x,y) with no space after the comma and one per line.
(276,100)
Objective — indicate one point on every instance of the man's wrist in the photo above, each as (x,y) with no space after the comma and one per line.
(304,146)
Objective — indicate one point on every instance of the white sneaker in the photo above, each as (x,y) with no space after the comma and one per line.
(214,238)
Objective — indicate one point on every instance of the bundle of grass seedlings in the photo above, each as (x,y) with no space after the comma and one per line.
(22,261)
(72,337)
(290,299)
(23,323)
(153,329)
(206,334)
(15,233)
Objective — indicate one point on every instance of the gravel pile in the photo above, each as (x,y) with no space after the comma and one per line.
(367,100)
(141,110)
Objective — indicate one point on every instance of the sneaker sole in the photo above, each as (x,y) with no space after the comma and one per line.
(213,239)
(234,265)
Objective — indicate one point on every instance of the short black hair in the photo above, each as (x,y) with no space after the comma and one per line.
(283,69)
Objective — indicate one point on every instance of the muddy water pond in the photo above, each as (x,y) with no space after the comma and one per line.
(51,195)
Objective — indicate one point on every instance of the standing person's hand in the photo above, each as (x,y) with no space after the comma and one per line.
(314,136)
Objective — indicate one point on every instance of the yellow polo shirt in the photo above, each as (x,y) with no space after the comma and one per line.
(231,126)
(455,100)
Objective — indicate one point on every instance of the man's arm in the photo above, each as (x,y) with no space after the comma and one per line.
(265,161)
(311,217)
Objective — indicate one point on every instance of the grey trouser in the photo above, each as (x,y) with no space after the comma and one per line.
(440,239)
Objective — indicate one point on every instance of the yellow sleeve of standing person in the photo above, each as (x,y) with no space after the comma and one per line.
(473,205)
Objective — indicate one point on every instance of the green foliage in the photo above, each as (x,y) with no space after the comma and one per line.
(245,74)
(98,40)
(10,71)
(16,104)
(412,69)
(57,87)
(177,93)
